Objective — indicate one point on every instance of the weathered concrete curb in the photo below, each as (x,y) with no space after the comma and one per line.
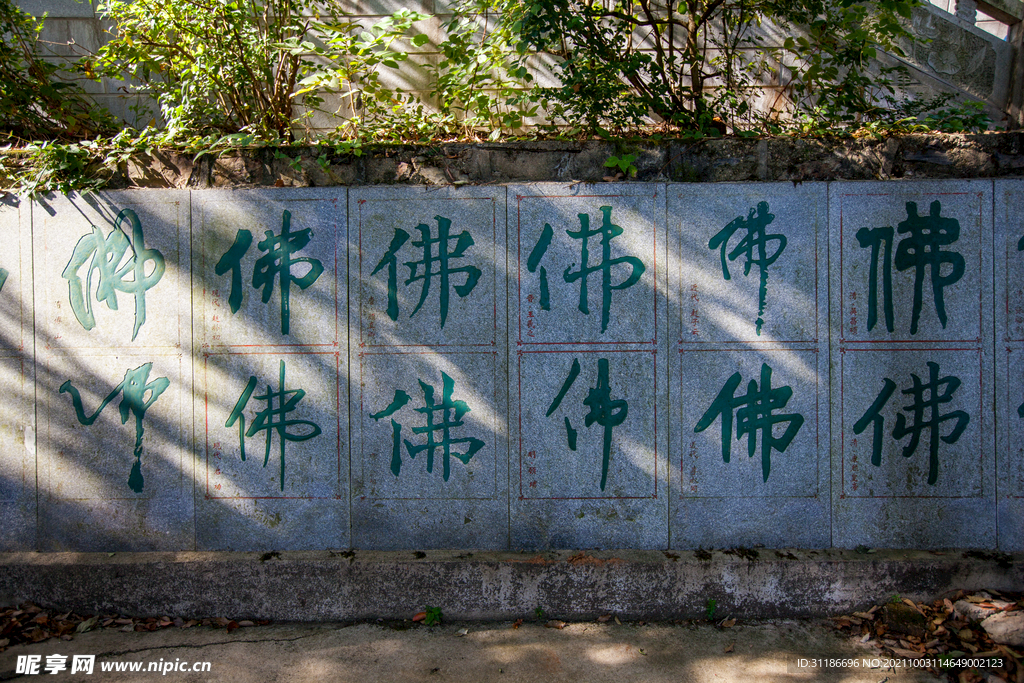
(918,156)
(328,586)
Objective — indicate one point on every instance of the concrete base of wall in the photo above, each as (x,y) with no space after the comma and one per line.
(328,586)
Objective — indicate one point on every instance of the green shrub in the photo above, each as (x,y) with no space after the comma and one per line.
(231,66)
(35,102)
(697,66)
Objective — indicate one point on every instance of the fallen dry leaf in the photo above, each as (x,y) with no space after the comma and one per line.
(729,623)
(555,623)
(910,603)
(419,616)
(87,625)
(947,634)
(517,623)
(730,647)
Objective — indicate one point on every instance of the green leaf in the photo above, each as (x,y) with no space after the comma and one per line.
(433,616)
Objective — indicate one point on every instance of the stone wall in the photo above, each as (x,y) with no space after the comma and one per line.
(515,366)
(989,155)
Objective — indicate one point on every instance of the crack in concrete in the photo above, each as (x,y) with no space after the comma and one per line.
(192,646)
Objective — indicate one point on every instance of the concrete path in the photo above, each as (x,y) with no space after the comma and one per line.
(471,652)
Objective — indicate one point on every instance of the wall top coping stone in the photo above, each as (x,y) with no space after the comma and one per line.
(988,155)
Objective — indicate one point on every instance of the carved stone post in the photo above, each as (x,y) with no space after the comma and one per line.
(967,10)
(1015,108)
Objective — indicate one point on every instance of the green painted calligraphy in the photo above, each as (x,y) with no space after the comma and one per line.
(390,259)
(104,255)
(604,410)
(921,250)
(754,415)
(876,238)
(3,278)
(925,397)
(276,262)
(874,416)
(447,422)
(232,260)
(271,418)
(756,238)
(608,232)
(535,257)
(443,272)
(135,386)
